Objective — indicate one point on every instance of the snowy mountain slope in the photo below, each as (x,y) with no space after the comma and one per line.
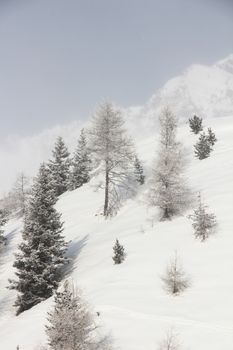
(133,306)
(203,90)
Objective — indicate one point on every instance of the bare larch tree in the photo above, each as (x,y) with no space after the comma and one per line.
(113,153)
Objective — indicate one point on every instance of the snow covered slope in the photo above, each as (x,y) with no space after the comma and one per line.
(133,306)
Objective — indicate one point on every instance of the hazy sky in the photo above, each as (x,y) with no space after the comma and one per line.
(59,58)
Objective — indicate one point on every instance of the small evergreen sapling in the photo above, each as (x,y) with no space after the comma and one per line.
(204,223)
(195,124)
(175,279)
(138,171)
(203,147)
(119,253)
(211,137)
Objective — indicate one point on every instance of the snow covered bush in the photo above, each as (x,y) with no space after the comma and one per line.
(42,252)
(170,341)
(195,124)
(119,253)
(204,223)
(168,190)
(175,279)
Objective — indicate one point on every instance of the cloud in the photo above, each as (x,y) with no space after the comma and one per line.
(26,154)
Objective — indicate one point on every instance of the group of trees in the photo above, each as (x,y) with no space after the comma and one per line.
(105,148)
(205,143)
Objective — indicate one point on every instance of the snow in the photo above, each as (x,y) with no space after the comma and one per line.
(134,308)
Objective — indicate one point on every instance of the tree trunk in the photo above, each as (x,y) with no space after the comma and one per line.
(106,198)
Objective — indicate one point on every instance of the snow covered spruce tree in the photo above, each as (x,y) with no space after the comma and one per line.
(138,171)
(195,124)
(3,220)
(59,167)
(175,279)
(42,252)
(119,253)
(168,190)
(211,137)
(80,172)
(204,223)
(70,323)
(203,147)
(113,154)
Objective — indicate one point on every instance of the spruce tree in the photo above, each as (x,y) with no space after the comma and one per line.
(70,323)
(195,124)
(203,147)
(80,173)
(138,171)
(42,252)
(59,167)
(211,137)
(204,223)
(3,220)
(168,190)
(119,253)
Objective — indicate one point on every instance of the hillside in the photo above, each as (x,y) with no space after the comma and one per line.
(134,309)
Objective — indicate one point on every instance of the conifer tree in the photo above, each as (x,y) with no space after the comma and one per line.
(80,173)
(59,167)
(204,223)
(42,252)
(168,190)
(203,147)
(138,171)
(195,124)
(3,220)
(119,253)
(70,323)
(175,279)
(112,152)
(211,137)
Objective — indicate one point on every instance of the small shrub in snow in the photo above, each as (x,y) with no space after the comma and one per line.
(195,124)
(170,342)
(203,147)
(204,223)
(175,279)
(119,253)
